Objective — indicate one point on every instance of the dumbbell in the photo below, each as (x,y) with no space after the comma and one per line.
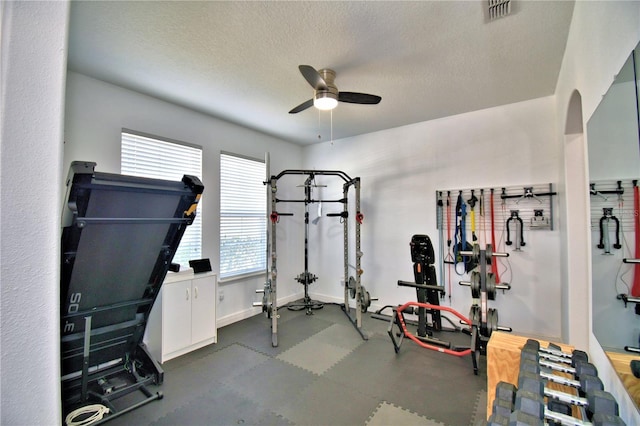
(505,398)
(513,406)
(554,353)
(595,399)
(585,383)
(581,369)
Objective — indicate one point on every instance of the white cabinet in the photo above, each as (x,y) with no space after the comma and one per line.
(183,317)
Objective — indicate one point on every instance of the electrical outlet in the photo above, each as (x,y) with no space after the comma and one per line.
(220,295)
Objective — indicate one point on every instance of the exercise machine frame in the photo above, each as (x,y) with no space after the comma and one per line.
(427,304)
(352,285)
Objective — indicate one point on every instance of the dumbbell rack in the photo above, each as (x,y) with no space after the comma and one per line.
(484,320)
(581,401)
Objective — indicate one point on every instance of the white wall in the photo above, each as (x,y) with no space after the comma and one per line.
(402,168)
(601,37)
(34,55)
(96,112)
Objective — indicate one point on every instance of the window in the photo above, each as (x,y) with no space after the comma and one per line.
(243,214)
(160,159)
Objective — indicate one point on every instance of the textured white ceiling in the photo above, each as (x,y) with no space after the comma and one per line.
(239,60)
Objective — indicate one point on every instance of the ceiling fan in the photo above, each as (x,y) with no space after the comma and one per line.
(326,95)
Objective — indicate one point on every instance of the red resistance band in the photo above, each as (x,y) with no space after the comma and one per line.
(635,290)
(494,261)
(464,319)
(449,241)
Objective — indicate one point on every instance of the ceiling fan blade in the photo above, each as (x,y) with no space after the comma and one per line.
(313,77)
(302,106)
(358,98)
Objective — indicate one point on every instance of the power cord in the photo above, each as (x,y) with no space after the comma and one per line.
(95,411)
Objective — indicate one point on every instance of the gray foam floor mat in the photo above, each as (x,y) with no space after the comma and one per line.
(387,414)
(321,373)
(314,356)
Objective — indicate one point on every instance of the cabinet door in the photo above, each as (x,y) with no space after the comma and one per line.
(203,314)
(176,316)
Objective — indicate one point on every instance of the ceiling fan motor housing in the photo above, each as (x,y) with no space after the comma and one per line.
(331,91)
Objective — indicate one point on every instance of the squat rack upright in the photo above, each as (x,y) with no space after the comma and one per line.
(353,286)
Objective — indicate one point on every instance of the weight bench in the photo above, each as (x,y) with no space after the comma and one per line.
(119,236)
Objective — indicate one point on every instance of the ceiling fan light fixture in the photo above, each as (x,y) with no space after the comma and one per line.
(325,100)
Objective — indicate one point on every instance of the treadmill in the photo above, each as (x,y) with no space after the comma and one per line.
(119,236)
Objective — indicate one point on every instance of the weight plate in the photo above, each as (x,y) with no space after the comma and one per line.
(475,257)
(491,286)
(475,284)
(365,299)
(474,315)
(492,321)
(352,287)
(488,253)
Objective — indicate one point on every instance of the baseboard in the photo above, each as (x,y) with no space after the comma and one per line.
(250,312)
(340,300)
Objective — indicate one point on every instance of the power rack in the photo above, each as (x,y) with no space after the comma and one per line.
(353,288)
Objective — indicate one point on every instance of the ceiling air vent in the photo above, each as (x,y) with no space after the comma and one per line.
(498,8)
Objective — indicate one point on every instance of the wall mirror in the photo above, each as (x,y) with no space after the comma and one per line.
(614,169)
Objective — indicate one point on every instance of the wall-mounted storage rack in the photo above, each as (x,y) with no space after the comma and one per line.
(616,195)
(533,204)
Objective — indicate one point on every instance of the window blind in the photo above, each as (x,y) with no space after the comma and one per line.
(159,159)
(243,216)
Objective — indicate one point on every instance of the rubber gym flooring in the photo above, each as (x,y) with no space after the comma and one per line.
(321,373)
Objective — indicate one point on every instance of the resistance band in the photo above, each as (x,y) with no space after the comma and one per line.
(441,235)
(460,234)
(494,262)
(472,203)
(483,227)
(449,258)
(635,290)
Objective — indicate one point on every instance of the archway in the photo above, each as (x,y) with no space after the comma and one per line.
(576,315)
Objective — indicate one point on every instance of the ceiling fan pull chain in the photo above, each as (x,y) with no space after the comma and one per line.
(331,126)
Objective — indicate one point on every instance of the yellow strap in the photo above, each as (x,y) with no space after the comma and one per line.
(193,206)
(473,220)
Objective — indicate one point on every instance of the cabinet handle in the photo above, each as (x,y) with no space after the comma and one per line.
(187,294)
(195,292)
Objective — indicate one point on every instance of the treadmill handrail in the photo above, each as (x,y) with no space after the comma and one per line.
(121,305)
(99,220)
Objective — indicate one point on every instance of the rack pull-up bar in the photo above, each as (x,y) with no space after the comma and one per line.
(309,201)
(339,173)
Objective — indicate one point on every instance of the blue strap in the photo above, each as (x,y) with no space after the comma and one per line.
(459,206)
(463,224)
